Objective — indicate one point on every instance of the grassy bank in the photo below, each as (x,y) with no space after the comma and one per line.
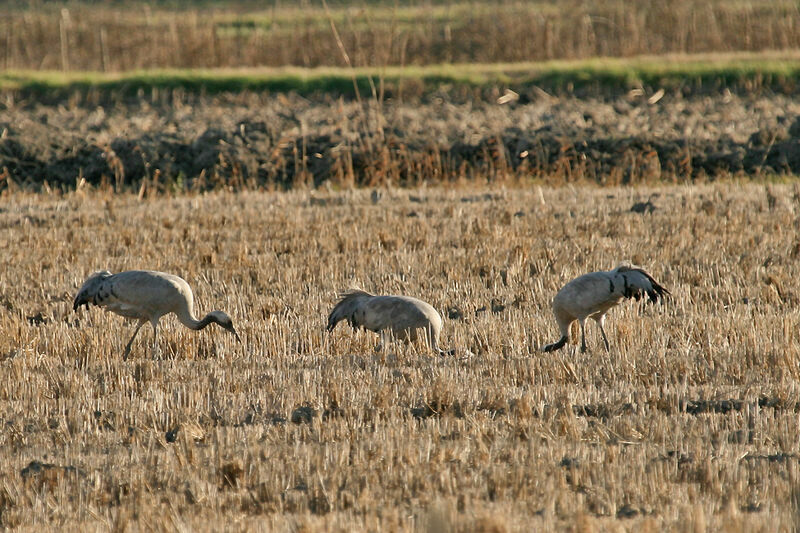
(777,71)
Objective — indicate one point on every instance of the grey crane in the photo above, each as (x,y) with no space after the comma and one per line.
(401,316)
(146,296)
(592,295)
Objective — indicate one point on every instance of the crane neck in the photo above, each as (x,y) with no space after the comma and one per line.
(191,322)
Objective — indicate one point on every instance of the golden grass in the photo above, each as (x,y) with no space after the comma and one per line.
(690,422)
(116,36)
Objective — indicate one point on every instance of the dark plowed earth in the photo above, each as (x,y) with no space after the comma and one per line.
(253,141)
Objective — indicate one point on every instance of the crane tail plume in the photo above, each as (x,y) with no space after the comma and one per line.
(658,292)
(644,285)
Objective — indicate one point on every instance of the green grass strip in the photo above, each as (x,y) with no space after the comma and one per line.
(774,70)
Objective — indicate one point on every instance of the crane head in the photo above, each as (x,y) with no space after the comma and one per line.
(222,318)
(89,289)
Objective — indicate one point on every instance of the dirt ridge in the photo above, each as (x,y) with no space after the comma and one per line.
(607,142)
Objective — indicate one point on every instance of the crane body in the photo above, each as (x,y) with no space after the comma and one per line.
(592,295)
(403,317)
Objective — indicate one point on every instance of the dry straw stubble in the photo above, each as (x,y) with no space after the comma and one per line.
(691,418)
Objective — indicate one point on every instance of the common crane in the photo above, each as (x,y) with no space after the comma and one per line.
(146,295)
(401,316)
(592,295)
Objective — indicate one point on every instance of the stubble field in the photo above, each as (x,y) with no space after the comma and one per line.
(690,422)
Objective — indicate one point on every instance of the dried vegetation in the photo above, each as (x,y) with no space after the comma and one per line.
(100,36)
(252,141)
(689,422)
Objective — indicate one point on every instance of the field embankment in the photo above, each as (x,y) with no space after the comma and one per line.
(741,72)
(177,142)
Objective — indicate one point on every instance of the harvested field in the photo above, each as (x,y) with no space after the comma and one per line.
(690,422)
(249,141)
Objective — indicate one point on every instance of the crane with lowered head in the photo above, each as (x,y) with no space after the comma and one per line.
(146,296)
(592,295)
(403,317)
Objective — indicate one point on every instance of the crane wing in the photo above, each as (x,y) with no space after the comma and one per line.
(395,312)
(135,293)
(377,313)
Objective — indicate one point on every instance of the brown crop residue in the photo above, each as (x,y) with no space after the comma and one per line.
(689,421)
(251,141)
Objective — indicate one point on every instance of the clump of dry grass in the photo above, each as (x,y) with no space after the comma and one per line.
(690,420)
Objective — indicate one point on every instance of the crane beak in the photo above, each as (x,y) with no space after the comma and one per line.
(238,338)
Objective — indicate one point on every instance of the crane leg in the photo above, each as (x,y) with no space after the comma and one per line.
(156,350)
(605,339)
(130,342)
(583,336)
(384,336)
